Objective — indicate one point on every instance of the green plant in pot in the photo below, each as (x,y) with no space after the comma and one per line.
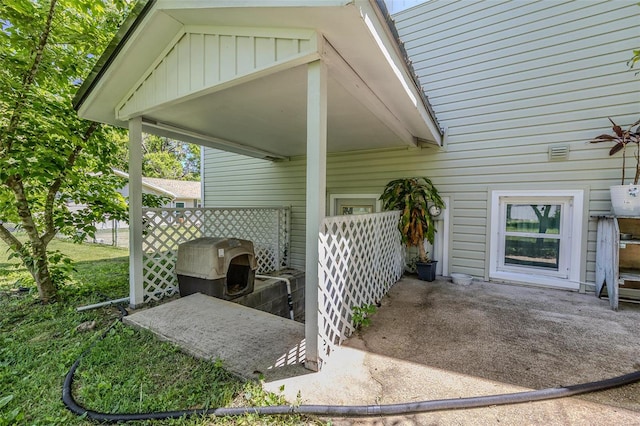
(413,197)
(625,198)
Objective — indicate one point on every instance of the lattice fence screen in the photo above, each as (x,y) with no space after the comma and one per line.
(360,258)
(165,229)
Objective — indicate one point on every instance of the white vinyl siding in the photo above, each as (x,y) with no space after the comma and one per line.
(233,180)
(507,80)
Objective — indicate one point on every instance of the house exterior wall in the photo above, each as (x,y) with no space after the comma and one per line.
(188,202)
(507,81)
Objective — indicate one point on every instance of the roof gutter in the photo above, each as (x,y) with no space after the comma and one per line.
(135,17)
(382,8)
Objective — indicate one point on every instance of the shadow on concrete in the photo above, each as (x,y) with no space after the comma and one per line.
(530,337)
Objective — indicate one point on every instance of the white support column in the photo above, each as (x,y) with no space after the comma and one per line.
(316,193)
(136,289)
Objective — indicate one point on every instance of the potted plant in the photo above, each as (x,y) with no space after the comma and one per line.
(625,199)
(413,197)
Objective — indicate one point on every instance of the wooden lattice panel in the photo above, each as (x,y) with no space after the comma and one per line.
(360,258)
(165,229)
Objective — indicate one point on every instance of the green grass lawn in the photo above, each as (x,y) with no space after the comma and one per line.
(128,371)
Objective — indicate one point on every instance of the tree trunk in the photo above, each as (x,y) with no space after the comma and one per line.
(34,254)
(41,274)
(422,254)
(34,259)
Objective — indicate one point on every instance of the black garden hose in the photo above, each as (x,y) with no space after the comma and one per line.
(345,410)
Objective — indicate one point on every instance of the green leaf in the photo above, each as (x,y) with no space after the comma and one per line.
(5,400)
(45,149)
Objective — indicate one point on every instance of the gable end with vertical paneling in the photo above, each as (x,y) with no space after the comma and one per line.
(204,58)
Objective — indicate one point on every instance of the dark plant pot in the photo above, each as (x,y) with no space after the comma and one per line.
(426,270)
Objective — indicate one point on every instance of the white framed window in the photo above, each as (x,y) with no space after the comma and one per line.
(179,204)
(536,237)
(347,204)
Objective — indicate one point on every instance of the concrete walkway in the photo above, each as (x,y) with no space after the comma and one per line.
(250,343)
(434,341)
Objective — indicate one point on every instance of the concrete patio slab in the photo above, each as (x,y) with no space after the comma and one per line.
(357,377)
(433,341)
(249,342)
(437,340)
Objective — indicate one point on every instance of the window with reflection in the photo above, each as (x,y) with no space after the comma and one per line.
(532,235)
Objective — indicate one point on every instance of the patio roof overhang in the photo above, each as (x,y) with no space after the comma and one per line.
(232,75)
(266,78)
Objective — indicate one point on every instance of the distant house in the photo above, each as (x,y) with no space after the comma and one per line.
(182,193)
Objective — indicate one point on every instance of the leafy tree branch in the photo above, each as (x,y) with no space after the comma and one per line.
(49,158)
(28,78)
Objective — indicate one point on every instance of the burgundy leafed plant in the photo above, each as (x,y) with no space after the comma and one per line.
(621,138)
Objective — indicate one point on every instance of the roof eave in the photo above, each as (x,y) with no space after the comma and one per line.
(386,17)
(134,18)
(424,129)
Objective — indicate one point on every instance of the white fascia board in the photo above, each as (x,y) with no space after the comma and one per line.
(359,89)
(158,189)
(120,173)
(387,46)
(163,21)
(155,188)
(195,4)
(293,33)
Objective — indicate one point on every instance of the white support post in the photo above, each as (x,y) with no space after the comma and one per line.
(316,193)
(136,287)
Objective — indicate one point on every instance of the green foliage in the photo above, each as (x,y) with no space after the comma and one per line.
(170,159)
(635,58)
(411,261)
(12,417)
(60,265)
(360,315)
(412,197)
(161,165)
(163,158)
(49,158)
(154,379)
(254,395)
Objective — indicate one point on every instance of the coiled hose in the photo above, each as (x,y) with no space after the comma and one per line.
(343,410)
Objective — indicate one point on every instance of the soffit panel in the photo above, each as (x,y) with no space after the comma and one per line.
(274,118)
(356,31)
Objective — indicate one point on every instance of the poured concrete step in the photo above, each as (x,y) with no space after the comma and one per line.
(250,342)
